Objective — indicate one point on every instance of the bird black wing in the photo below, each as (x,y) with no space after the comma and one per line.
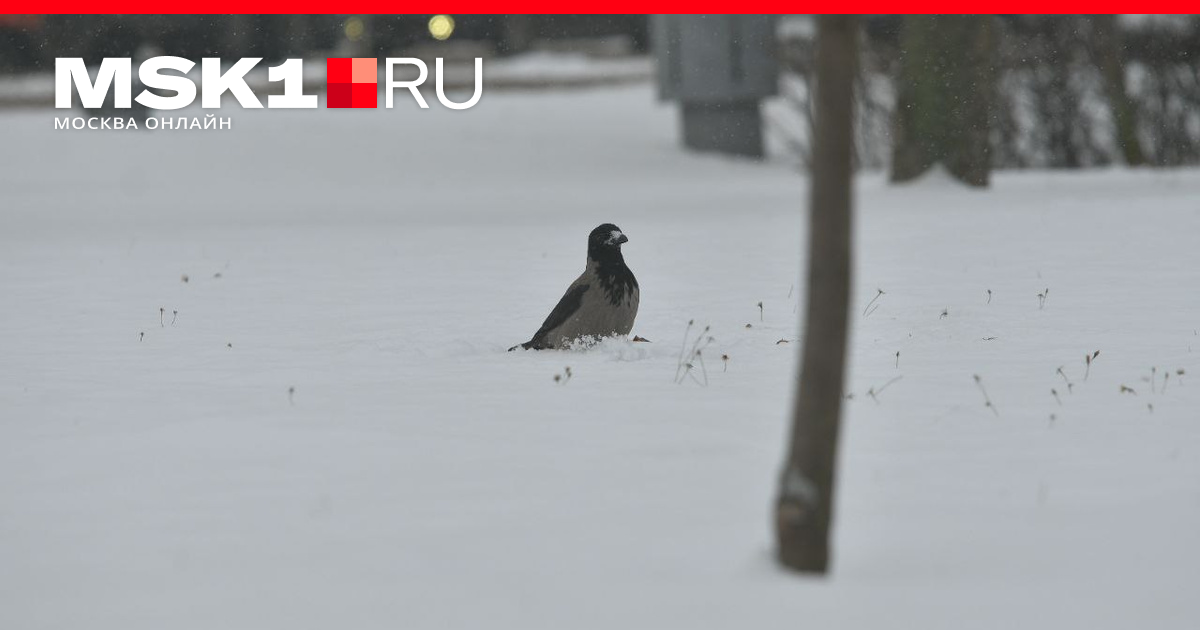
(567,306)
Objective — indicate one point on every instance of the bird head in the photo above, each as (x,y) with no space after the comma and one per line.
(605,242)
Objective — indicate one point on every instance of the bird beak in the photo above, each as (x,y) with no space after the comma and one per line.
(621,238)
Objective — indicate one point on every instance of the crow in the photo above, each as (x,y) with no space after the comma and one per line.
(602,302)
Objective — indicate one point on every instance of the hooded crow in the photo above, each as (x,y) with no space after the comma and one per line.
(600,303)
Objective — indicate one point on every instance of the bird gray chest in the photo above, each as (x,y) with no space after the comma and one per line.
(599,316)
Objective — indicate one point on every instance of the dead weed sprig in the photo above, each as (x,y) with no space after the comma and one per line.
(689,358)
(987,401)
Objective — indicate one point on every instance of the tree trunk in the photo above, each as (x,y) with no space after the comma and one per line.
(1109,57)
(942,108)
(805,505)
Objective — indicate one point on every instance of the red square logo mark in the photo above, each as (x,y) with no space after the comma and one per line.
(351,82)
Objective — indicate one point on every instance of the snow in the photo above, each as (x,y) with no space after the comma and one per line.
(378,263)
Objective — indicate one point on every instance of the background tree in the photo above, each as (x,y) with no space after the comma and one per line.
(1110,57)
(804,509)
(945,86)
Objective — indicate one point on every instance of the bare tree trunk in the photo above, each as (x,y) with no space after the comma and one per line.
(945,90)
(1108,55)
(805,506)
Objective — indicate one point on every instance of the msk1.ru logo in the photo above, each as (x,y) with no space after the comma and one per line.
(349,82)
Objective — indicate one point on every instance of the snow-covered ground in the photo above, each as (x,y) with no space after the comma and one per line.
(377,263)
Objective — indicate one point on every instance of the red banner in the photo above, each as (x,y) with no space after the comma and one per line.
(545,7)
